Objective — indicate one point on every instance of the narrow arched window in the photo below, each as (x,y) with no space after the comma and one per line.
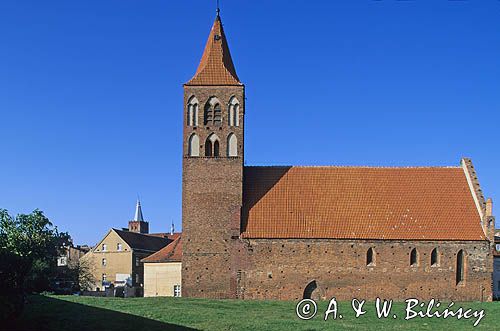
(460,267)
(234,112)
(217,115)
(195,115)
(192,112)
(230,118)
(370,257)
(216,148)
(414,257)
(434,257)
(212,113)
(208,148)
(208,116)
(212,145)
(194,145)
(232,145)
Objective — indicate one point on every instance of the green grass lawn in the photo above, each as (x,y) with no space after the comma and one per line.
(108,314)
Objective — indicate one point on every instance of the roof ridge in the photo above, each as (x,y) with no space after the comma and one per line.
(140,234)
(354,166)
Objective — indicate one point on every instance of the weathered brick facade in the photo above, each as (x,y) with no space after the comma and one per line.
(219,262)
(212,198)
(281,269)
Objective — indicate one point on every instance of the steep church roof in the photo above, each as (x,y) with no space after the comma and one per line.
(427,203)
(216,66)
(138,212)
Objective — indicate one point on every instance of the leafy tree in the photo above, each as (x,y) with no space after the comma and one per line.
(85,274)
(29,247)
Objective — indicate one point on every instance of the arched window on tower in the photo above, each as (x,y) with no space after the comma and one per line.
(212,145)
(194,145)
(370,257)
(434,258)
(216,148)
(414,258)
(208,148)
(234,112)
(217,115)
(232,145)
(192,112)
(212,113)
(460,276)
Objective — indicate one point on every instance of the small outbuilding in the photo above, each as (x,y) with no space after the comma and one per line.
(162,271)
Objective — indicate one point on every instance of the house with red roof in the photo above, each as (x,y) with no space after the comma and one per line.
(162,271)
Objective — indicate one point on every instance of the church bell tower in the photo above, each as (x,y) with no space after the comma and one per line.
(212,177)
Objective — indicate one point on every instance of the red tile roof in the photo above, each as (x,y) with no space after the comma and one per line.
(216,66)
(428,203)
(170,253)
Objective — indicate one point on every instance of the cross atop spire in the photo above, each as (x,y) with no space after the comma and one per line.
(216,65)
(138,212)
(218,9)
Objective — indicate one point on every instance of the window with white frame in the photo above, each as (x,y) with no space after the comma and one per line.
(119,247)
(62,261)
(104,262)
(104,247)
(177,290)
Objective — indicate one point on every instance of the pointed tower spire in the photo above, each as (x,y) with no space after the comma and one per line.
(138,212)
(216,65)
(172,229)
(138,224)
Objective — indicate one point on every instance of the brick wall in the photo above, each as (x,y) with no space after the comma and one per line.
(211,201)
(281,269)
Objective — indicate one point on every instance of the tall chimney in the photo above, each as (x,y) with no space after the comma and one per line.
(489,220)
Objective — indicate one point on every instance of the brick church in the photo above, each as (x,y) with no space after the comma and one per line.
(296,232)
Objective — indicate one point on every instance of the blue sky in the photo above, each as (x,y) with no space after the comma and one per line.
(91,95)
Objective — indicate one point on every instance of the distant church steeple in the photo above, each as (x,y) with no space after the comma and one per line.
(138,212)
(138,224)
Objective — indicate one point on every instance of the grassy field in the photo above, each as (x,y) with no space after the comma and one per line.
(108,314)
